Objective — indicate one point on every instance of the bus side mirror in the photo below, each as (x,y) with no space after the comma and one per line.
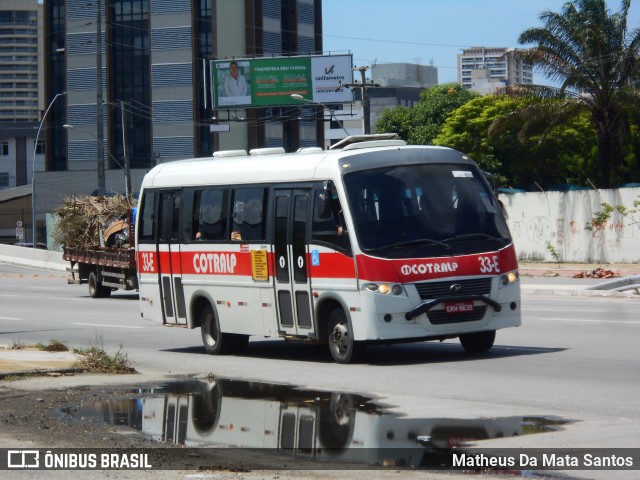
(328,186)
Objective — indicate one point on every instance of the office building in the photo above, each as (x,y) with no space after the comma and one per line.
(150,59)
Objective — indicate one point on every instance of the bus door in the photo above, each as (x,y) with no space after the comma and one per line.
(169,265)
(290,250)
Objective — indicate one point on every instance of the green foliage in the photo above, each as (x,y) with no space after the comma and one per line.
(95,359)
(562,155)
(594,57)
(553,252)
(602,216)
(419,125)
(53,346)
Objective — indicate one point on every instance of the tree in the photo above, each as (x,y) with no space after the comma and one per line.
(562,155)
(594,57)
(419,125)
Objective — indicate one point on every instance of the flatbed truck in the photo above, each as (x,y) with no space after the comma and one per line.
(104,268)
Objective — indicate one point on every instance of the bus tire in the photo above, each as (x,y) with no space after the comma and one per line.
(215,342)
(336,423)
(207,404)
(478,342)
(343,347)
(96,289)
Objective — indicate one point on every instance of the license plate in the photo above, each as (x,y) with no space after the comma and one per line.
(459,307)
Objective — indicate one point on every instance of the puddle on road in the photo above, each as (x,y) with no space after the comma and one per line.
(317,424)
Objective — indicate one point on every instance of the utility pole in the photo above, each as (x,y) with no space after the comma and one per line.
(364,90)
(99,123)
(125,157)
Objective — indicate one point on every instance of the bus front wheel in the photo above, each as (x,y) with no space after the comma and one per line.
(344,348)
(478,342)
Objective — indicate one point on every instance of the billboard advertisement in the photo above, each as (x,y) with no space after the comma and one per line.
(267,82)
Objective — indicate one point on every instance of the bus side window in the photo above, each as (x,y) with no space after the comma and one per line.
(210,214)
(147,217)
(328,221)
(247,214)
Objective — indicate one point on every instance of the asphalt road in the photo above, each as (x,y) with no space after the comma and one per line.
(573,359)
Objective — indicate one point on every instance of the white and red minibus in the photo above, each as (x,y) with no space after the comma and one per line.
(372,241)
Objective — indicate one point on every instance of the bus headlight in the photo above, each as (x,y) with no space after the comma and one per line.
(509,278)
(384,288)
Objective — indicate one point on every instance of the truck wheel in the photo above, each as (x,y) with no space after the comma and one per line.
(343,347)
(96,289)
(479,342)
(215,342)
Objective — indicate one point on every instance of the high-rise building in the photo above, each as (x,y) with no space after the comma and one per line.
(154,77)
(19,61)
(20,49)
(151,61)
(486,69)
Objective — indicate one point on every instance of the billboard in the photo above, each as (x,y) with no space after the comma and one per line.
(268,82)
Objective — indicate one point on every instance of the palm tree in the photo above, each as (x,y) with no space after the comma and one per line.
(590,53)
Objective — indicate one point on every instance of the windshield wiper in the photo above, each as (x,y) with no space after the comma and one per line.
(418,241)
(471,236)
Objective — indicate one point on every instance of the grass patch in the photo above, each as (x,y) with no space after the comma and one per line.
(95,360)
(53,346)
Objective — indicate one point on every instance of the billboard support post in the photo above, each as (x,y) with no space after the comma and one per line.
(332,114)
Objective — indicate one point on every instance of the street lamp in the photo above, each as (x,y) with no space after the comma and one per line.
(300,98)
(33,169)
(127,176)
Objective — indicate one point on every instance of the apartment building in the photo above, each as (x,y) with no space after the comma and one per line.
(486,69)
(19,50)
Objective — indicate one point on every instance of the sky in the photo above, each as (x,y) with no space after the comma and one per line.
(434,31)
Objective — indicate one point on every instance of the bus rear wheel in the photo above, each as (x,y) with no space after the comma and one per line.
(478,342)
(343,347)
(215,342)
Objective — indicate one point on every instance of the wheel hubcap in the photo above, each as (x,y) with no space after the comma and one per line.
(340,337)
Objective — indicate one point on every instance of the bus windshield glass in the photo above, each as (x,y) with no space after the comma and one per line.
(425,210)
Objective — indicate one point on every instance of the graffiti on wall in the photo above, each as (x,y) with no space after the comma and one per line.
(569,229)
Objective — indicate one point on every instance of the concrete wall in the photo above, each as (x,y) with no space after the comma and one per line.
(33,257)
(546,222)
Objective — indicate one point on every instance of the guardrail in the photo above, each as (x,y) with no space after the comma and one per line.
(623,284)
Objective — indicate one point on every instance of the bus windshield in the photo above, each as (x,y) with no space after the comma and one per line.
(425,210)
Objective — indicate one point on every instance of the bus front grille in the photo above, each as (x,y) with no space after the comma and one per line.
(441,317)
(475,286)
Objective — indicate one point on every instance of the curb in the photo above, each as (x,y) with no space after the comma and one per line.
(559,292)
(40,372)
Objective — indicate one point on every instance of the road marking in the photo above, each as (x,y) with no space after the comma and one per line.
(105,325)
(556,319)
(11,319)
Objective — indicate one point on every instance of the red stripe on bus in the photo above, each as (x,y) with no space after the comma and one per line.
(334,265)
(418,269)
(330,265)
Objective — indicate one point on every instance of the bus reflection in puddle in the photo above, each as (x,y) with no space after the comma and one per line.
(314,424)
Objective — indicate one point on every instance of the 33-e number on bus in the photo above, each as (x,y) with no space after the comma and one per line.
(489,264)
